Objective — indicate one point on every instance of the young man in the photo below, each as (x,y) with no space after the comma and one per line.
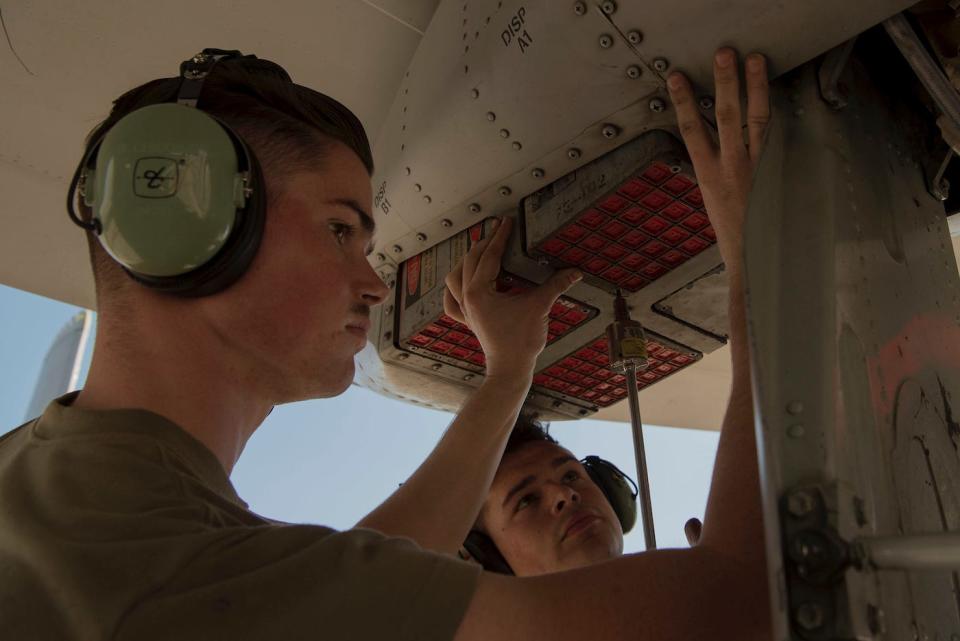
(117,517)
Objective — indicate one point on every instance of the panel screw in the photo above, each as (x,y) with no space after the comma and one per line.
(579,8)
(538,172)
(606,41)
(706,102)
(397,249)
(474,208)
(610,131)
(421,237)
(403,356)
(381,257)
(468,377)
(573,153)
(609,7)
(475,93)
(660,64)
(634,37)
(633,72)
(809,616)
(417,187)
(436,367)
(795,407)
(408,171)
(657,105)
(543,261)
(389,309)
(516,145)
(795,431)
(427,199)
(800,503)
(675,169)
(446,222)
(583,412)
(504,191)
(491,116)
(504,133)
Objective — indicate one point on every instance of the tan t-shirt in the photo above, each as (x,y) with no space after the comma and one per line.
(119,525)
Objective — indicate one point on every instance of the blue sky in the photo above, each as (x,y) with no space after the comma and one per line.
(331,461)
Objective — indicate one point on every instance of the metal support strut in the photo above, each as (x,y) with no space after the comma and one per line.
(628,353)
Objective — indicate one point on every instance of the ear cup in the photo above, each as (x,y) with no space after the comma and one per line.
(616,486)
(482,548)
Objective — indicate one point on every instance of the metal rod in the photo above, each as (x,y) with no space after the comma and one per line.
(912,552)
(636,424)
(927,70)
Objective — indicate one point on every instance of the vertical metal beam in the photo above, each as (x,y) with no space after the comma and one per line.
(639,451)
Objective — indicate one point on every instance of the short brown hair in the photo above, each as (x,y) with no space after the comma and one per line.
(289,127)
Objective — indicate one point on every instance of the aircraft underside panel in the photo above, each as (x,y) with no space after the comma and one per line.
(855,328)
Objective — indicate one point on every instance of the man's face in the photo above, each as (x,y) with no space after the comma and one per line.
(300,314)
(545,514)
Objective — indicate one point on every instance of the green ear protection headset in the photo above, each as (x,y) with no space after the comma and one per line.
(177,197)
(618,488)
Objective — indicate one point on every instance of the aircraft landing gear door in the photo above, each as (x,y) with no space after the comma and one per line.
(854,314)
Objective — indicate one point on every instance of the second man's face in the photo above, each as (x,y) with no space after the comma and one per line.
(545,514)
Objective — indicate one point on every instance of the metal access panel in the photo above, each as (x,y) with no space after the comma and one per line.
(854,313)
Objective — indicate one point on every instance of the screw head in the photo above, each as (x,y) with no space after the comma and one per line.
(557,404)
(396,249)
(634,37)
(403,356)
(609,7)
(417,187)
(809,616)
(516,145)
(610,131)
(475,93)
(468,377)
(633,72)
(491,116)
(427,199)
(436,367)
(583,412)
(796,431)
(657,105)
(800,503)
(421,237)
(538,172)
(579,8)
(388,309)
(573,153)
(795,407)
(606,41)
(504,191)
(661,64)
(675,169)
(474,208)
(391,283)
(504,133)
(446,222)
(381,257)
(706,102)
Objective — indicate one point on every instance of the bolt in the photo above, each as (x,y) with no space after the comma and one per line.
(504,133)
(633,72)
(795,407)
(610,131)
(516,145)
(543,261)
(475,93)
(421,237)
(657,105)
(427,199)
(800,503)
(474,208)
(675,169)
(381,257)
(408,171)
(579,8)
(538,172)
(468,377)
(491,116)
(446,222)
(809,616)
(436,367)
(417,187)
(796,431)
(504,191)
(397,249)
(706,102)
(634,37)
(606,41)
(403,356)
(573,153)
(661,64)
(388,309)
(583,412)
(609,7)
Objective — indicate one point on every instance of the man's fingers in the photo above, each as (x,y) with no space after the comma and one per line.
(488,266)
(451,307)
(727,80)
(556,285)
(758,103)
(694,133)
(471,260)
(454,281)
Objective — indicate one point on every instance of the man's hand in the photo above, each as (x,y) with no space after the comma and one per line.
(511,327)
(725,174)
